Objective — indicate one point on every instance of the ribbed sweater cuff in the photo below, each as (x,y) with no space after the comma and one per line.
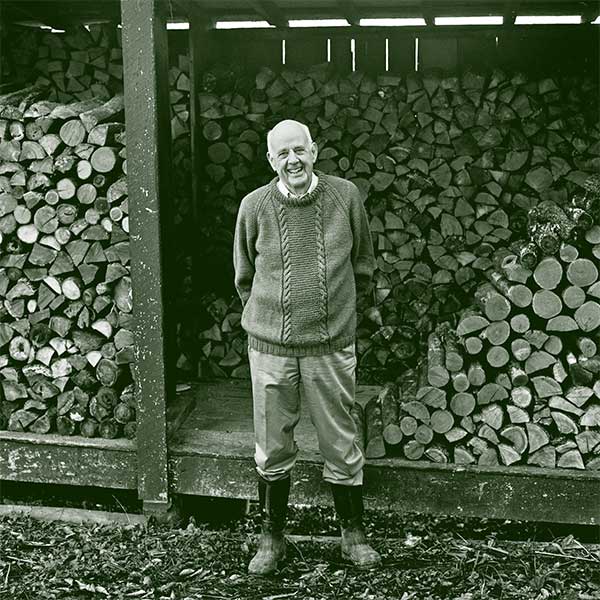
(311,350)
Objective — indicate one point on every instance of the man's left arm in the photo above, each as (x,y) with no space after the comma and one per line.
(363,256)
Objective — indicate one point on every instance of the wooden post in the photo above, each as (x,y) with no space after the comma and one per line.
(145,58)
(199,54)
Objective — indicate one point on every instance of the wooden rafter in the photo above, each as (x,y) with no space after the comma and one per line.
(590,13)
(60,13)
(428,13)
(349,11)
(183,9)
(269,11)
(14,12)
(509,12)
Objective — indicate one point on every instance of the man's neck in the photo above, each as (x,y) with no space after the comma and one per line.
(286,191)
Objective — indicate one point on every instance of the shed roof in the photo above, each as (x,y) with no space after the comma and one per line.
(62,12)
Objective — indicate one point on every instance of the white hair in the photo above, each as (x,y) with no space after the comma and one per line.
(302,126)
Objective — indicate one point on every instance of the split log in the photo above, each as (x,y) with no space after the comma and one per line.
(493,304)
(437,374)
(375,447)
(389,415)
(358,416)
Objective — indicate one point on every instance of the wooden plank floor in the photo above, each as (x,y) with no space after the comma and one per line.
(67,460)
(211,449)
(218,422)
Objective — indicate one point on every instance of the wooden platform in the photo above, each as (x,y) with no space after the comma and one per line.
(211,447)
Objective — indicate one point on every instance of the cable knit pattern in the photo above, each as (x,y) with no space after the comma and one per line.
(286,288)
(299,264)
(322,267)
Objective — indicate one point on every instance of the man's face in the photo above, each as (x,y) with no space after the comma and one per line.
(292,157)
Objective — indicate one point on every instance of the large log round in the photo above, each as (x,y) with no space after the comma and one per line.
(548,274)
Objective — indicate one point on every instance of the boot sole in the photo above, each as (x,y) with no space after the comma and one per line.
(269,572)
(366,567)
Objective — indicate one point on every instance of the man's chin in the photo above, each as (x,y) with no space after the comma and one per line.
(298,186)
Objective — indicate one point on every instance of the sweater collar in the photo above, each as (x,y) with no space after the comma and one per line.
(286,192)
(307,198)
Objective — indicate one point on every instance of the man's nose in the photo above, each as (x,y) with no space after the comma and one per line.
(292,156)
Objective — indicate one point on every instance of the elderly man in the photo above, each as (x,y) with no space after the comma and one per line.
(303,255)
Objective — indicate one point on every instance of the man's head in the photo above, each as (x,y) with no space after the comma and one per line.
(292,154)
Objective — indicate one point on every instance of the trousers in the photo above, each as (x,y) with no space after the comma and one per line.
(329,386)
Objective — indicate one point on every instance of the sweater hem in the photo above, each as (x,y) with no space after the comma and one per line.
(305,350)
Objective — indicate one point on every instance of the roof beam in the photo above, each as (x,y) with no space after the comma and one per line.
(19,12)
(348,10)
(509,12)
(268,10)
(590,13)
(183,6)
(428,13)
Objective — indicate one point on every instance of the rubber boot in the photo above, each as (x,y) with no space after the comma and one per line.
(348,503)
(273,500)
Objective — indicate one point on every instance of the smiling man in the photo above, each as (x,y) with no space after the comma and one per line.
(303,255)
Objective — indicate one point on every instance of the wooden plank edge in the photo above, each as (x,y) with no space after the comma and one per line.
(72,464)
(53,439)
(178,411)
(187,450)
(72,515)
(498,495)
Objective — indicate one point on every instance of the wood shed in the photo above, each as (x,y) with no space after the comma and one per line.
(488,130)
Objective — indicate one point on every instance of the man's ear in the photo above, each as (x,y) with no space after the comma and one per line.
(314,150)
(271,162)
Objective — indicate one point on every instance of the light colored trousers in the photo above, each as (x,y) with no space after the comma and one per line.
(329,385)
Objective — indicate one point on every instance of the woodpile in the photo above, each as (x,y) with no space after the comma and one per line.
(66,341)
(60,64)
(222,343)
(182,212)
(449,168)
(83,63)
(518,381)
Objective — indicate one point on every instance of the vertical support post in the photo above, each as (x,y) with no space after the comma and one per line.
(199,53)
(2,25)
(145,61)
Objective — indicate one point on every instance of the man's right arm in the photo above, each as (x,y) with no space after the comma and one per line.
(244,251)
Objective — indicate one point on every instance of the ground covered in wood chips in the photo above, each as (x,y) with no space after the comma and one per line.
(425,558)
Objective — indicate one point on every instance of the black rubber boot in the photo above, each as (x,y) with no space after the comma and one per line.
(348,501)
(273,500)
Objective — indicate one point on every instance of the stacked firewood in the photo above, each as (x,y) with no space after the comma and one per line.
(51,61)
(80,64)
(448,166)
(221,343)
(66,340)
(518,381)
(181,212)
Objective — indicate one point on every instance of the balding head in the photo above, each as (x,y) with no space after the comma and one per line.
(292,154)
(284,127)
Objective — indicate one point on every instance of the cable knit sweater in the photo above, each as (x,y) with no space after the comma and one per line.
(299,265)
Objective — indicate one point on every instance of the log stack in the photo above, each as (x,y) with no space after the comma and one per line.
(449,168)
(91,57)
(222,342)
(518,381)
(84,62)
(66,341)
